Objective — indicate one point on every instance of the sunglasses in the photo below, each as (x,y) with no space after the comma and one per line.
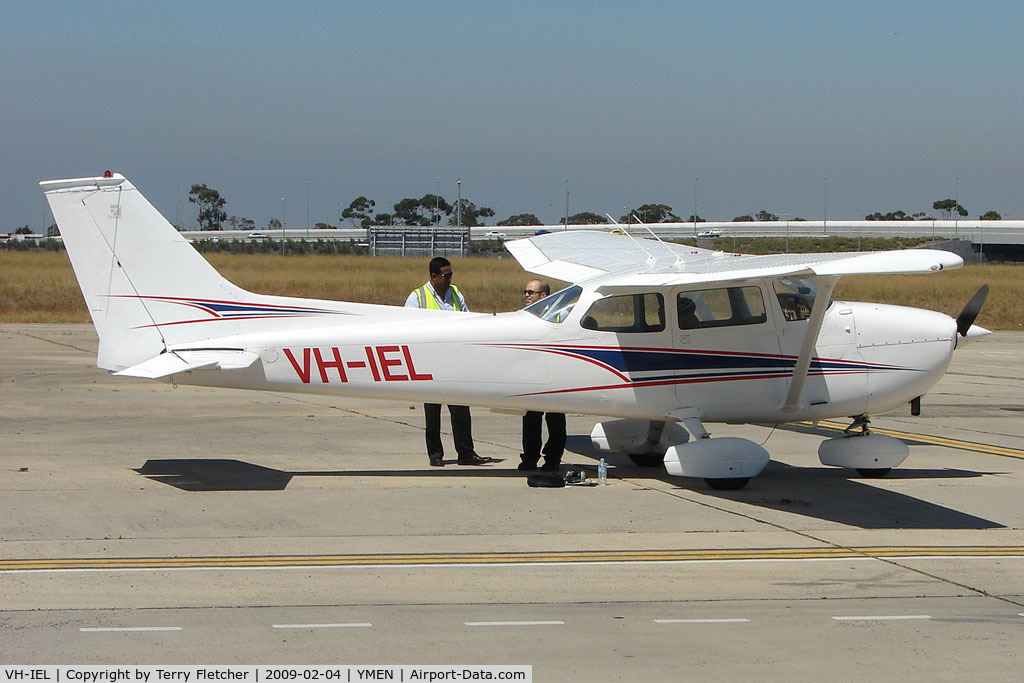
(530,291)
(446,276)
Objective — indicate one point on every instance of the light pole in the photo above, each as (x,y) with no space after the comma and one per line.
(437,203)
(781,214)
(307,210)
(956,207)
(566,204)
(695,205)
(177,205)
(825,223)
(283,220)
(860,230)
(458,206)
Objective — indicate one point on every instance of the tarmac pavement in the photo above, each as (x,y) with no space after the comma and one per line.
(272,528)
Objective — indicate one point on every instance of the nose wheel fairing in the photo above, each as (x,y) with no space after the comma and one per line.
(872,455)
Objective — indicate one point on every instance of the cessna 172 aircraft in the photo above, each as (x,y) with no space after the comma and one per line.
(663,337)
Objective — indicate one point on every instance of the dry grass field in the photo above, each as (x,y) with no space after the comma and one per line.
(40,286)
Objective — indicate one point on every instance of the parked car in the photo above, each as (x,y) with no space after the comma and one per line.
(708,234)
(542,231)
(494,234)
(257,236)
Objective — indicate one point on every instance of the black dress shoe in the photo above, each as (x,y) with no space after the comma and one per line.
(527,464)
(550,466)
(474,459)
(437,461)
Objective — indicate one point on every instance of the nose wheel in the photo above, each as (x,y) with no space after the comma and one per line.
(727,483)
(873,472)
(861,422)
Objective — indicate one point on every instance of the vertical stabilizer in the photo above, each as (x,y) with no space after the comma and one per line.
(141,279)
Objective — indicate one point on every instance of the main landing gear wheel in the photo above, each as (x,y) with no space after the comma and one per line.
(873,472)
(727,483)
(647,459)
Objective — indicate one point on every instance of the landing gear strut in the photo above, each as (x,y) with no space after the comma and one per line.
(860,422)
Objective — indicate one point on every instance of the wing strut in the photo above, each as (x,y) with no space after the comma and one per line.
(803,362)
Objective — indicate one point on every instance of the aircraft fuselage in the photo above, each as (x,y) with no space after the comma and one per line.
(869,358)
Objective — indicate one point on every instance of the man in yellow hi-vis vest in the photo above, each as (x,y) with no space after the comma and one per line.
(440,294)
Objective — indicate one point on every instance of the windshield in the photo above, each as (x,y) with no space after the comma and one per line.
(555,307)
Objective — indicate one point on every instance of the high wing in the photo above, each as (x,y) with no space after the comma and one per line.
(582,255)
(610,262)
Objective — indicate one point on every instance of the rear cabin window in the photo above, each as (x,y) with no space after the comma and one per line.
(721,307)
(626,313)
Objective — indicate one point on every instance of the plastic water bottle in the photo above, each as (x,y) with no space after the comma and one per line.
(602,473)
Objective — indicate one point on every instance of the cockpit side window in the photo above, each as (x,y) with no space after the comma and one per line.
(626,313)
(720,307)
(556,307)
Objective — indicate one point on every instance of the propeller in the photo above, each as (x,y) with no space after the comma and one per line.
(971,311)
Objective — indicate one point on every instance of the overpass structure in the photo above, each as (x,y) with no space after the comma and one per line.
(996,239)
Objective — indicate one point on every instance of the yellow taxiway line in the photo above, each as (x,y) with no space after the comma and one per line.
(929,439)
(550,557)
(462,559)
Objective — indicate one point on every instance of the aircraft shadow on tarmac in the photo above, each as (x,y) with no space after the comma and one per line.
(827,493)
(824,493)
(228,474)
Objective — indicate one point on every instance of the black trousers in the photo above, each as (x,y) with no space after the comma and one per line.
(462,430)
(555,446)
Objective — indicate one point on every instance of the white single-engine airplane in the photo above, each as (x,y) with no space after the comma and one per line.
(664,337)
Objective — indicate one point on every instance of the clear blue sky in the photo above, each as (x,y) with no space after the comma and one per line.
(629,102)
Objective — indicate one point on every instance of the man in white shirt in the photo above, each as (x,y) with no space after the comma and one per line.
(554,448)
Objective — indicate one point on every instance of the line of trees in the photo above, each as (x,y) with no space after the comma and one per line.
(434,210)
(428,210)
(945,207)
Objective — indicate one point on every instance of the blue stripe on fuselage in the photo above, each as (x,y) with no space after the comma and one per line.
(644,360)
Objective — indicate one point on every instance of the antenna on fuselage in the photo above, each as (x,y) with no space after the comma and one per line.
(679,259)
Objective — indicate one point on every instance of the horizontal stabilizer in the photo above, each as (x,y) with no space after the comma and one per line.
(174,362)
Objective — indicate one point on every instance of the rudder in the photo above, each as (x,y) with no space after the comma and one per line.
(139,276)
